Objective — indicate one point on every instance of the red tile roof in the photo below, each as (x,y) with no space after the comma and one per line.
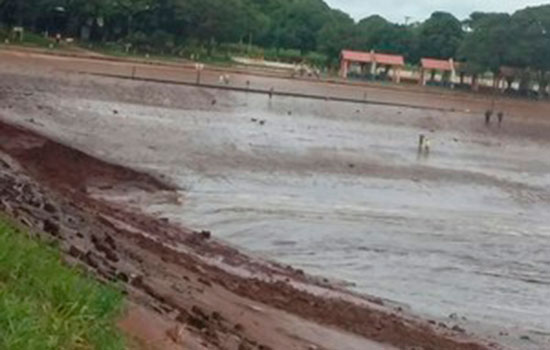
(367,57)
(394,60)
(431,63)
(357,56)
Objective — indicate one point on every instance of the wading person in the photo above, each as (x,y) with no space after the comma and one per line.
(421,140)
(500,116)
(423,145)
(488,115)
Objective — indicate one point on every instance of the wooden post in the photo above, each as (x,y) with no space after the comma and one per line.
(373,63)
(453,71)
(199,67)
(398,75)
(344,68)
(475,83)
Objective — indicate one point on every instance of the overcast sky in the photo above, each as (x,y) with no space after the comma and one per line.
(419,10)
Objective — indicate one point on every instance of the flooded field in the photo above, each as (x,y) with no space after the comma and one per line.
(336,189)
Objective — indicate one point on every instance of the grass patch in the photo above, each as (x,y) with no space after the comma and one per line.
(32,39)
(29,39)
(117,50)
(45,304)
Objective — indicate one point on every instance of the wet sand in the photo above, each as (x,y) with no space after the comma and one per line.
(336,189)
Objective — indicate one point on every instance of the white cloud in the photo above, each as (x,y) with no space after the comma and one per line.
(419,10)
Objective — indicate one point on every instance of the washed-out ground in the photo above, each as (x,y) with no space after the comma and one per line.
(336,189)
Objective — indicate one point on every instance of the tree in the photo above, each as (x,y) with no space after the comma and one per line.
(376,33)
(371,33)
(335,35)
(440,36)
(531,46)
(218,20)
(489,43)
(295,24)
(125,12)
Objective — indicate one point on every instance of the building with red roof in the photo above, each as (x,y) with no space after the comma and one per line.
(433,66)
(373,60)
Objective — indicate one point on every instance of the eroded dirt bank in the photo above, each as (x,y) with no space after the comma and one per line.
(183,276)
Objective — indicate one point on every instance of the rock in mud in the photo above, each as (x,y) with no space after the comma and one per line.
(91,260)
(196,322)
(137,281)
(50,208)
(176,334)
(75,252)
(123,277)
(51,228)
(216,316)
(245,345)
(198,311)
(111,256)
(205,234)
(458,329)
(110,242)
(204,281)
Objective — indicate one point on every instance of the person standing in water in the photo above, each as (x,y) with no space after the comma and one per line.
(423,145)
(500,116)
(488,115)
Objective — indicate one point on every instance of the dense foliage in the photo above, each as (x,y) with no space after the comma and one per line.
(294,27)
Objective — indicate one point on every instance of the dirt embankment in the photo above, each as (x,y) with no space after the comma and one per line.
(181,277)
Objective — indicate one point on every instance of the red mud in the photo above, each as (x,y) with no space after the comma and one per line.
(45,185)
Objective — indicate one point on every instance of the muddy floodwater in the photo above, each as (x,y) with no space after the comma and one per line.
(336,189)
(343,194)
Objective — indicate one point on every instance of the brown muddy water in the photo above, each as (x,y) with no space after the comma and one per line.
(336,189)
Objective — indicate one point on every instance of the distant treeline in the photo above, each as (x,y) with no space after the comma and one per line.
(486,41)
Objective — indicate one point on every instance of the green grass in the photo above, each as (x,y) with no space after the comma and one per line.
(32,39)
(117,50)
(44,304)
(29,39)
